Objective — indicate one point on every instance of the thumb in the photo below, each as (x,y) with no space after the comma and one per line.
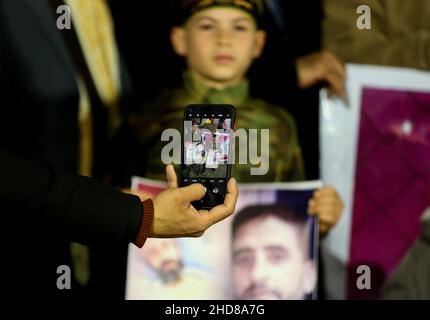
(172,180)
(193,192)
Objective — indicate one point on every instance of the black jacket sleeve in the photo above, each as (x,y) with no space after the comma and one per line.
(83,209)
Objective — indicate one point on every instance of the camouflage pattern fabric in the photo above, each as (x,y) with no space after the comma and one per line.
(285,158)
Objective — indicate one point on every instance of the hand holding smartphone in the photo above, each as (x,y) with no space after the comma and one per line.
(207,150)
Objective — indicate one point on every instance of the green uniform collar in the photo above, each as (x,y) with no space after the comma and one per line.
(199,92)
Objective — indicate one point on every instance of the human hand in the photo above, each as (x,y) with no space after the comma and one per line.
(174,216)
(321,66)
(327,205)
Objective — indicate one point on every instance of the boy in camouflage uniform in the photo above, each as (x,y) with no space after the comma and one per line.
(219,40)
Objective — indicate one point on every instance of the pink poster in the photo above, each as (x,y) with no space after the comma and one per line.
(392,182)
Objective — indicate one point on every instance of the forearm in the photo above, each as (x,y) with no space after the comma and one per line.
(91,212)
(85,210)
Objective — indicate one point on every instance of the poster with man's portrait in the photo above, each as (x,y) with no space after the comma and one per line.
(266,250)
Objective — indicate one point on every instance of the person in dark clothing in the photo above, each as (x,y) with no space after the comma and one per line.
(82,209)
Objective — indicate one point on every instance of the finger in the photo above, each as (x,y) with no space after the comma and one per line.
(325,225)
(335,83)
(224,210)
(327,193)
(338,72)
(333,64)
(190,193)
(321,196)
(327,222)
(172,180)
(328,215)
(333,73)
(312,207)
(336,63)
(324,222)
(328,200)
(232,194)
(332,84)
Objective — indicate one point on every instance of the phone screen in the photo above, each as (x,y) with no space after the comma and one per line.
(207,147)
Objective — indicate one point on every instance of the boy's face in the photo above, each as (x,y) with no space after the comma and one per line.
(219,45)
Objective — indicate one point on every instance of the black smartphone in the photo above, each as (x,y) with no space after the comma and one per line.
(207,150)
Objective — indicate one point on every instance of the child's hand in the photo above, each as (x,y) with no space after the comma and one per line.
(327,205)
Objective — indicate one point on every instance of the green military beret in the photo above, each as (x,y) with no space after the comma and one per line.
(186,8)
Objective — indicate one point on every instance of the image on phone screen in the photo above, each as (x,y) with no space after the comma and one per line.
(207,147)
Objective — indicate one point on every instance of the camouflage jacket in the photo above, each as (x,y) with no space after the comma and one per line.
(285,158)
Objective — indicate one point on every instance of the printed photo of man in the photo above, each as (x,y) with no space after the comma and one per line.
(271,254)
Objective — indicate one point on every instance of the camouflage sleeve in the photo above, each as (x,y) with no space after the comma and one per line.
(295,169)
